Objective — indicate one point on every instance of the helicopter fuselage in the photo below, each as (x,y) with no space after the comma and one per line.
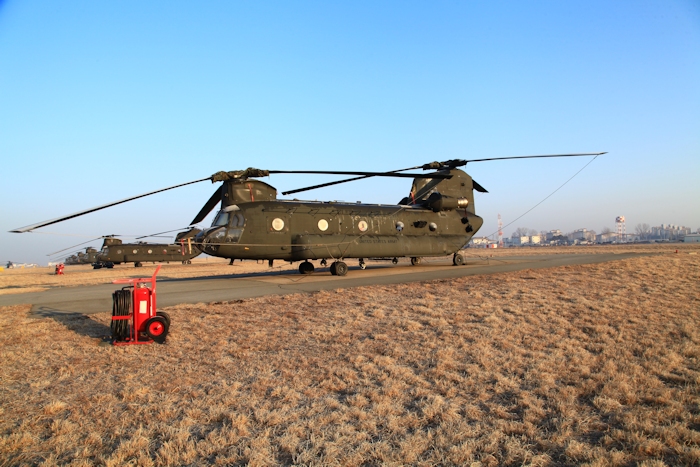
(309,230)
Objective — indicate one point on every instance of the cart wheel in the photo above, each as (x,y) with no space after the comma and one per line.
(165,316)
(157,329)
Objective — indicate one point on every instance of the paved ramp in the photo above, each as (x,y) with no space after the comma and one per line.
(98,298)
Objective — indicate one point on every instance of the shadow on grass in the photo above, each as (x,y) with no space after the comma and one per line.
(79,323)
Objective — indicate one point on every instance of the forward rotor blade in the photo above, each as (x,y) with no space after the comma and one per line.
(208,206)
(367,174)
(29,228)
(337,182)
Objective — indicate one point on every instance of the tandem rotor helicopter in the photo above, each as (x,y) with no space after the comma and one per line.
(115,251)
(437,218)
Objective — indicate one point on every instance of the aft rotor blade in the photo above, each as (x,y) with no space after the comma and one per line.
(535,157)
(478,187)
(208,206)
(29,228)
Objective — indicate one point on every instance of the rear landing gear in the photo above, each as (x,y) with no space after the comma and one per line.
(306,268)
(339,268)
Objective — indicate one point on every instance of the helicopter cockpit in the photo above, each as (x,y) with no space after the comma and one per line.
(227,226)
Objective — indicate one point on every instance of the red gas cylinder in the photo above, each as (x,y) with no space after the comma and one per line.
(142,306)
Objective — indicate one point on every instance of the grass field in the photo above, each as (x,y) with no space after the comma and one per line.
(581,365)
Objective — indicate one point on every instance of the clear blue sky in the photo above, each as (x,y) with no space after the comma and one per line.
(103,100)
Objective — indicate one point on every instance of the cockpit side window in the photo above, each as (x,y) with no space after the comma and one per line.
(238,220)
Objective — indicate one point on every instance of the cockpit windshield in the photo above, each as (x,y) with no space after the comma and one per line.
(221,219)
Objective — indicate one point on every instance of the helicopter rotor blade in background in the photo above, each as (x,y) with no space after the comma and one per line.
(158,235)
(71,247)
(208,206)
(29,228)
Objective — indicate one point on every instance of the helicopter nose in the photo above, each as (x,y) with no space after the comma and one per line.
(210,238)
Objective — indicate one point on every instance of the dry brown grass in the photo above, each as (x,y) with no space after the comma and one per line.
(580,365)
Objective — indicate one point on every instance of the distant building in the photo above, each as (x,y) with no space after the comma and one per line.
(692,238)
(582,235)
(669,232)
(480,242)
(609,237)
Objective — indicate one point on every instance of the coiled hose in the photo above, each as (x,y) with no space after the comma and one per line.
(121,306)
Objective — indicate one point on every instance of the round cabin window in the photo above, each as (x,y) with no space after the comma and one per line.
(323,225)
(278,224)
(362,225)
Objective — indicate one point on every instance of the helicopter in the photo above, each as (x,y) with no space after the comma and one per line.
(88,257)
(114,251)
(437,218)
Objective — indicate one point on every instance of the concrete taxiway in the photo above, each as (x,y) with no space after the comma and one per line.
(98,298)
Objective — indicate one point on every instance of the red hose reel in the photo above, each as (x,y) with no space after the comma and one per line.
(134,316)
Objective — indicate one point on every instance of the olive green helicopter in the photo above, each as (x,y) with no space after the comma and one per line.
(115,251)
(437,218)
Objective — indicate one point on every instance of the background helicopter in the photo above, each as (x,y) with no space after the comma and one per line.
(114,251)
(437,218)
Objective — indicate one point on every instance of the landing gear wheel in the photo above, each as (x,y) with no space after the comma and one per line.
(334,271)
(363,266)
(415,261)
(306,268)
(324,263)
(395,261)
(157,329)
(165,316)
(458,259)
(340,268)
(137,264)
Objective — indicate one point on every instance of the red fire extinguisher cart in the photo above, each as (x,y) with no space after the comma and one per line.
(134,316)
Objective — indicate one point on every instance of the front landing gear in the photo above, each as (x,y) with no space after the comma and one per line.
(339,268)
(306,268)
(363,265)
(458,259)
